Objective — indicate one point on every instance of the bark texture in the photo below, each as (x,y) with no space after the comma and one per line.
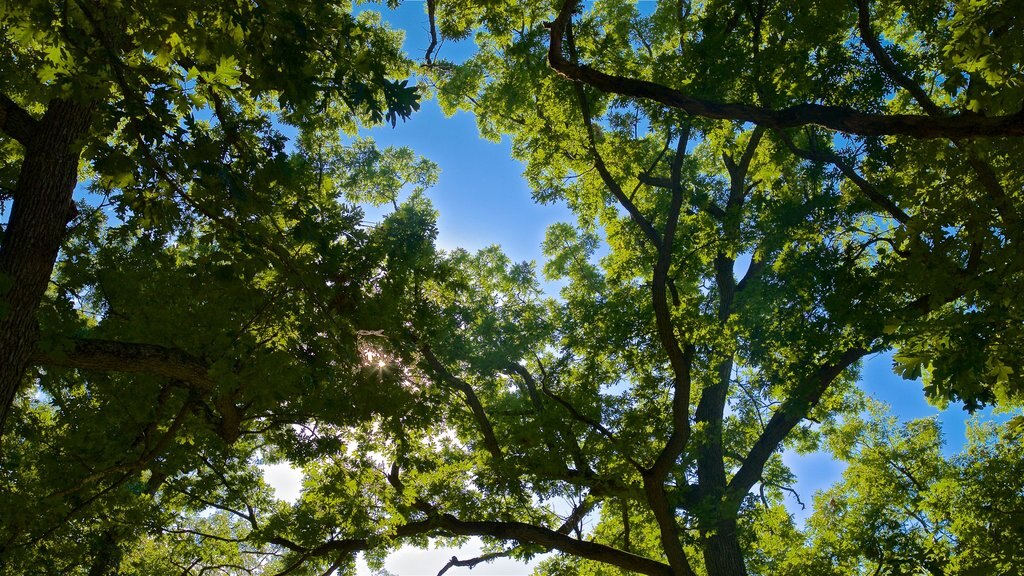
(38,222)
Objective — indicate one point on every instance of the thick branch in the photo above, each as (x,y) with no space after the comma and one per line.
(519,532)
(840,118)
(346,546)
(530,534)
(681,359)
(15,121)
(680,356)
(135,358)
(754,270)
(112,356)
(789,414)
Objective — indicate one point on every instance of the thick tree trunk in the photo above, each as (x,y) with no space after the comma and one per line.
(38,222)
(722,554)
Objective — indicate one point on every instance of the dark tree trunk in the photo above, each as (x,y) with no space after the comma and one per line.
(108,556)
(38,221)
(722,554)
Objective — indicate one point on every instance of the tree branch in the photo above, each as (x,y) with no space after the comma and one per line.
(888,65)
(754,270)
(680,356)
(788,415)
(428,55)
(472,401)
(738,172)
(593,424)
(839,118)
(606,176)
(530,534)
(699,200)
(16,122)
(869,189)
(986,175)
(563,430)
(472,562)
(681,359)
(128,357)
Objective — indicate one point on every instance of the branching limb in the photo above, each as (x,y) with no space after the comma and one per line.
(551,539)
(129,357)
(986,175)
(700,200)
(680,358)
(472,562)
(738,171)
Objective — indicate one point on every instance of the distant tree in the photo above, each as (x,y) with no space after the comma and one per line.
(935,515)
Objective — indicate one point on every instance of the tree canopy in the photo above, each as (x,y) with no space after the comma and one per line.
(765,194)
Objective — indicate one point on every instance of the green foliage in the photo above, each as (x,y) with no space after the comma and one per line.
(220,301)
(935,515)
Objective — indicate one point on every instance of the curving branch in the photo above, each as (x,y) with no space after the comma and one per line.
(680,357)
(472,562)
(447,524)
(839,118)
(986,175)
(606,176)
(428,55)
(472,401)
(753,273)
(553,540)
(886,62)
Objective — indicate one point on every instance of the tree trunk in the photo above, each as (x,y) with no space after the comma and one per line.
(38,221)
(722,554)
